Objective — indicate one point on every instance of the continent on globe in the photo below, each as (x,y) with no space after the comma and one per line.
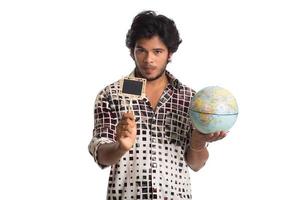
(213,109)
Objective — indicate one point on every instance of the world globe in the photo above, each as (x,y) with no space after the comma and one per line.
(213,109)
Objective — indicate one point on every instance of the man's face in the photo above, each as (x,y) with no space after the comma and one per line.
(151,58)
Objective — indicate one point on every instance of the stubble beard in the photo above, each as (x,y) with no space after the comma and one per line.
(161,73)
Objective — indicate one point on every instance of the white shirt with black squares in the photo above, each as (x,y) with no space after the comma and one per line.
(155,167)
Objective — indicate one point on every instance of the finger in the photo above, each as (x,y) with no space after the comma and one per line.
(224,133)
(123,127)
(129,120)
(126,133)
(123,134)
(123,123)
(129,128)
(213,136)
(219,135)
(131,123)
(118,134)
(210,136)
(120,130)
(126,126)
(126,121)
(128,115)
(132,131)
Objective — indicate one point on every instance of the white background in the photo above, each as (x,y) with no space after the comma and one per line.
(55,56)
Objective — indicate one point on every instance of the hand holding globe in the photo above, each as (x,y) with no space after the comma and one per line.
(199,140)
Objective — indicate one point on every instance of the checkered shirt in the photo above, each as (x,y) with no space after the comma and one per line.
(155,167)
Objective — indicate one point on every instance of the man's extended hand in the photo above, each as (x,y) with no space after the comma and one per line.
(199,140)
(126,131)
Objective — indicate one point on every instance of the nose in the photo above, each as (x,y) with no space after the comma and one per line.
(149,58)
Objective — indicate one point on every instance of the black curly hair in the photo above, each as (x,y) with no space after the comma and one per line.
(148,24)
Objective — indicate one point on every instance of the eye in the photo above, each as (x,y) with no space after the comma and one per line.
(157,52)
(139,50)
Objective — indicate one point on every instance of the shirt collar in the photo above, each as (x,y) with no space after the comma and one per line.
(173,80)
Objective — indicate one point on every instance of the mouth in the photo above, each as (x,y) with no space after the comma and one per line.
(149,69)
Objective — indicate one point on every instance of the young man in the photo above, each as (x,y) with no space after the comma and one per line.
(151,148)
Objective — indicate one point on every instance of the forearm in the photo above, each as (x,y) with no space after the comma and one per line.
(109,154)
(196,159)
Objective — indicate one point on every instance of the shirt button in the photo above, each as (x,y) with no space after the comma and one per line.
(152,120)
(153,165)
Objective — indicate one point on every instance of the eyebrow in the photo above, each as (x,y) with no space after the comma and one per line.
(155,49)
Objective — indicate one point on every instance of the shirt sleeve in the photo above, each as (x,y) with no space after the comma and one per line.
(105,120)
(190,126)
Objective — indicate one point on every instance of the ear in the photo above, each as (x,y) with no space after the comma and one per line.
(170,57)
(131,55)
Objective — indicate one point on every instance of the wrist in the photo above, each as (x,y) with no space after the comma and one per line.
(199,147)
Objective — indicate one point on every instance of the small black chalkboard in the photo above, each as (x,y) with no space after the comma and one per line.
(132,87)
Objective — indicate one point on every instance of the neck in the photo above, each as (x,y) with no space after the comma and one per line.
(155,88)
(160,82)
